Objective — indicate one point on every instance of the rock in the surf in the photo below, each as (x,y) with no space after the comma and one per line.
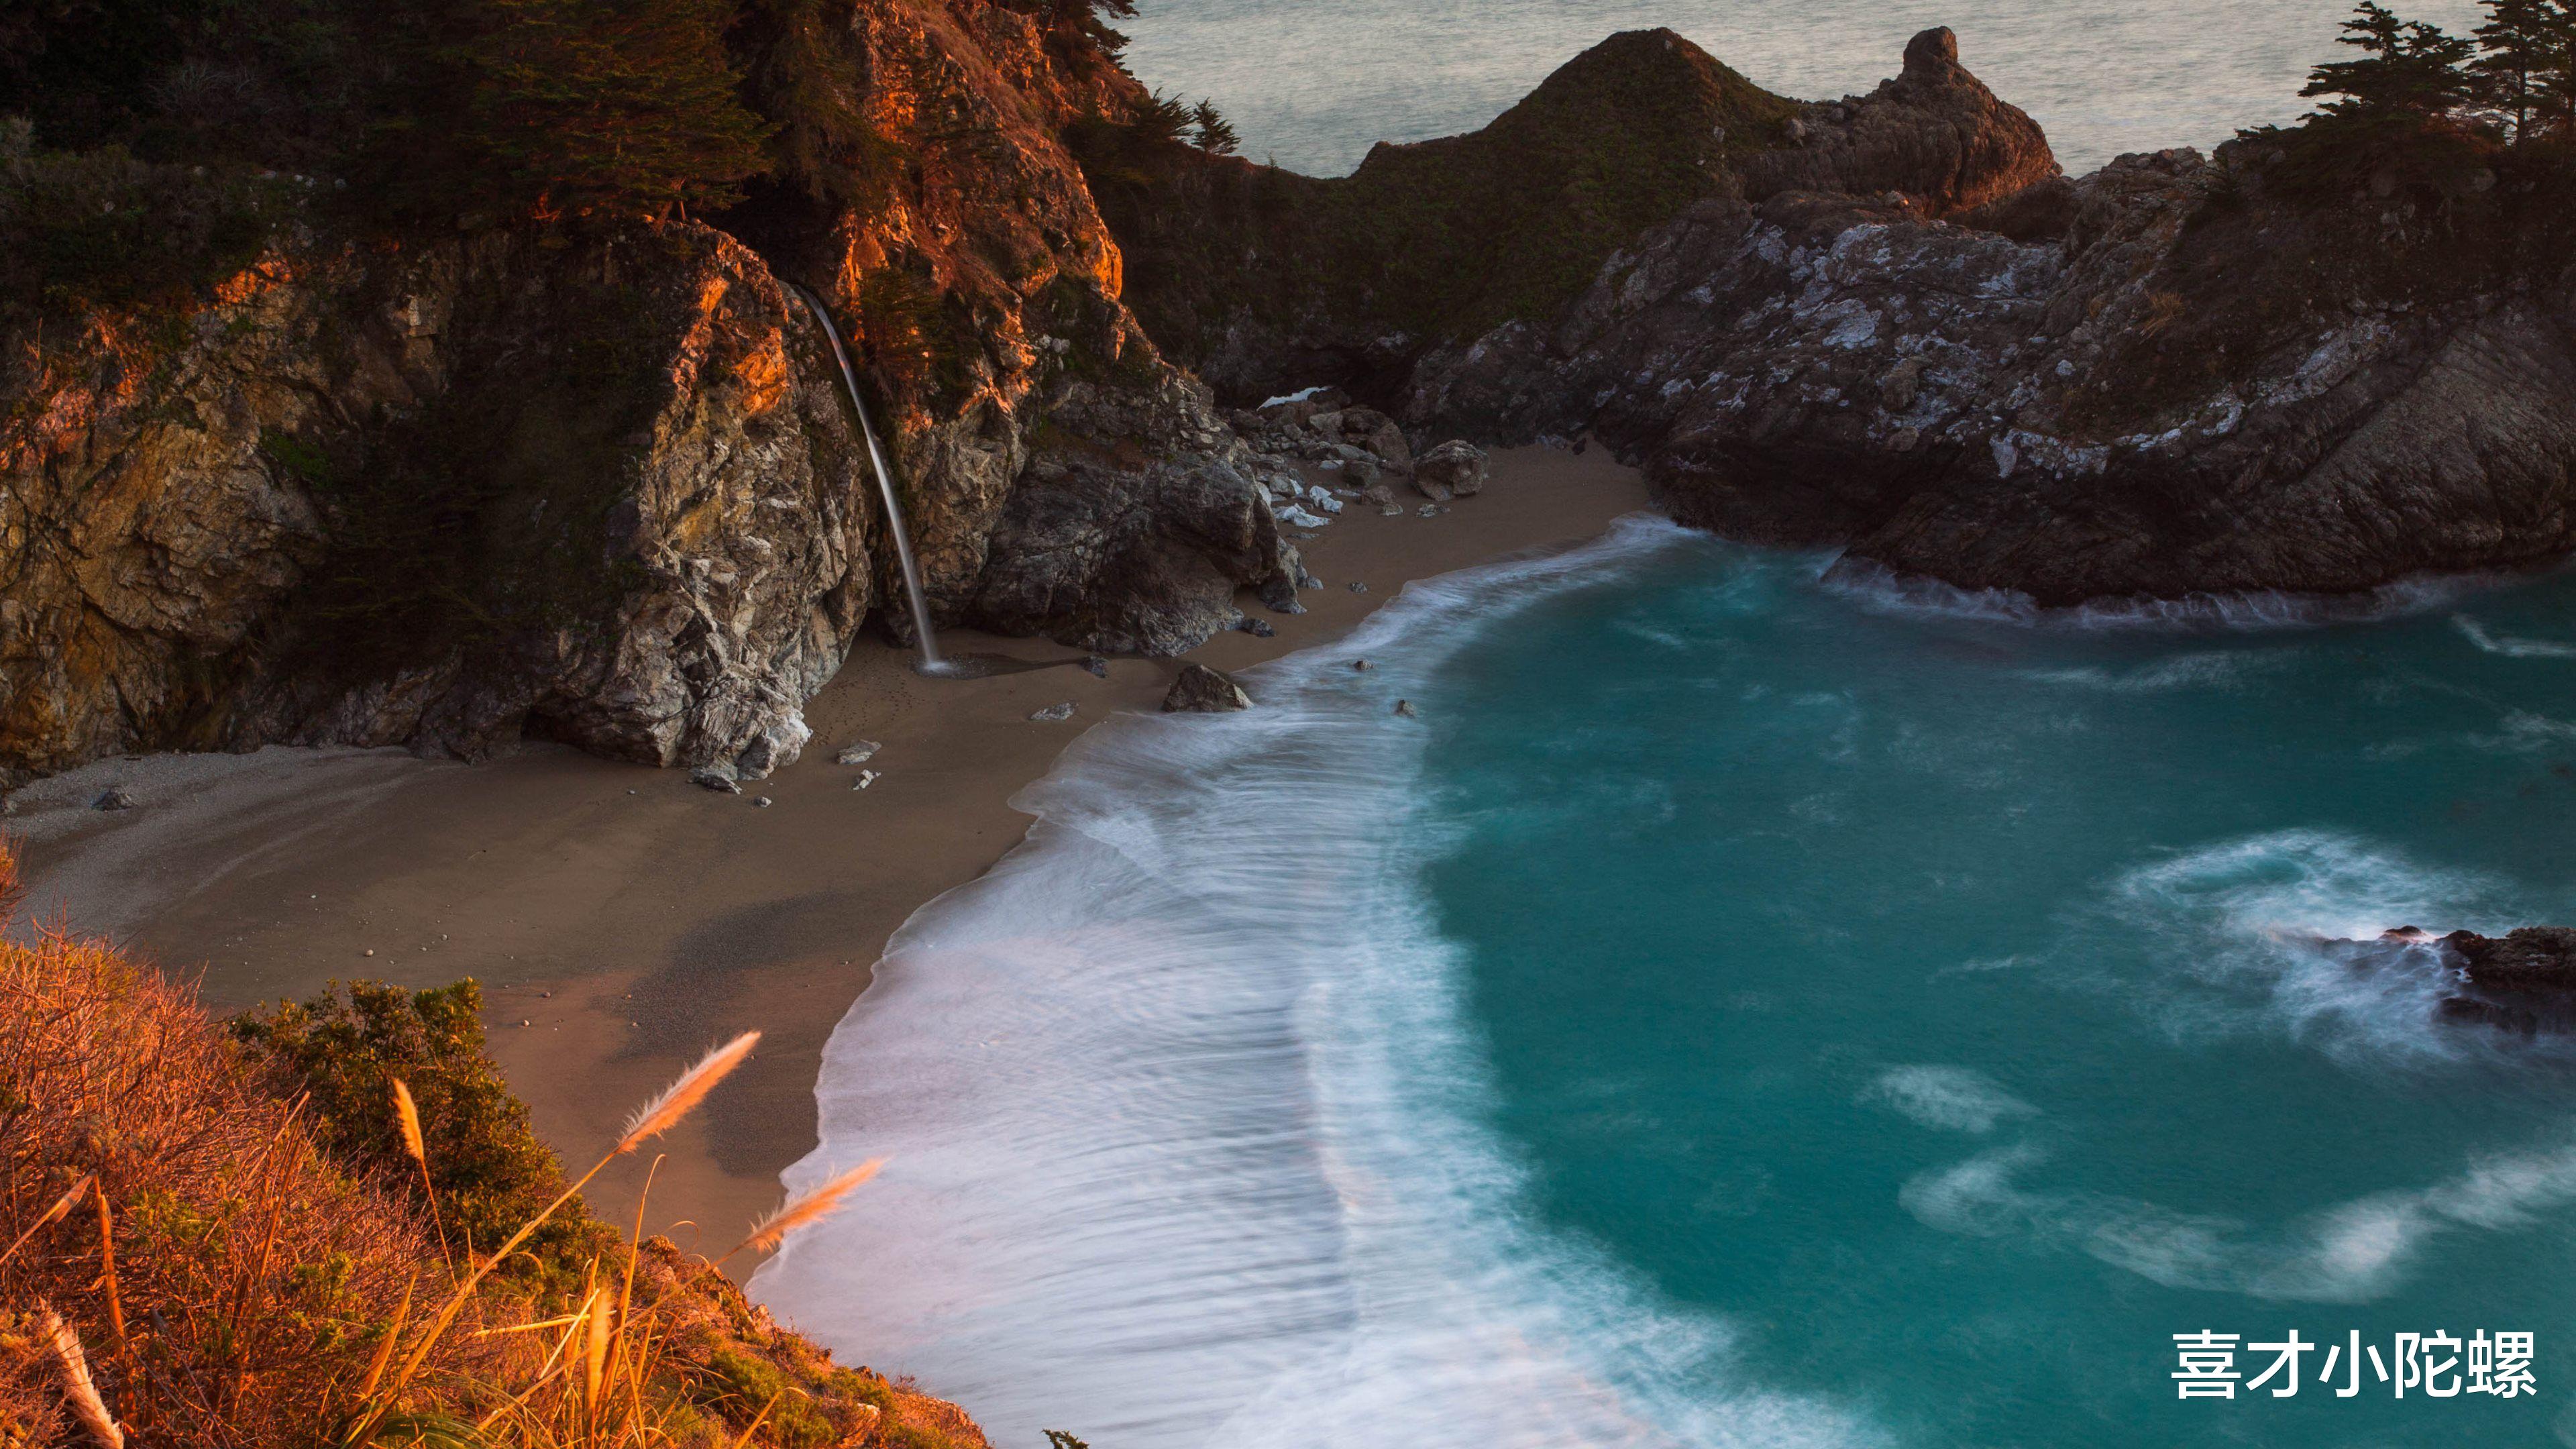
(1201,690)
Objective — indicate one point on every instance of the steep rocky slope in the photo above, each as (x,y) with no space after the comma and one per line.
(2185,381)
(593,479)
(1256,277)
(2281,367)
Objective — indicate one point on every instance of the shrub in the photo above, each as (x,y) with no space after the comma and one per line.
(344,1049)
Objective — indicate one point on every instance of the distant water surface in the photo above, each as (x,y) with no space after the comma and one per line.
(1314,83)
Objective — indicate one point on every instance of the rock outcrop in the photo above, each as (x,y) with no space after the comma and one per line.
(439,497)
(2175,375)
(595,480)
(1263,280)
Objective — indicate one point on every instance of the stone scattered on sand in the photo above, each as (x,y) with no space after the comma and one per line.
(1096,666)
(866,778)
(1392,510)
(1309,581)
(763,801)
(1297,517)
(1429,510)
(1201,690)
(370,951)
(1054,713)
(715,777)
(1454,469)
(1357,587)
(1404,707)
(858,753)
(113,800)
(1377,493)
(1257,628)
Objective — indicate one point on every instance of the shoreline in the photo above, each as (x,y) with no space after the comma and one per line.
(620,918)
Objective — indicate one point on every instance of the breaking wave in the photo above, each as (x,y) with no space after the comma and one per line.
(1880,589)
(1184,1123)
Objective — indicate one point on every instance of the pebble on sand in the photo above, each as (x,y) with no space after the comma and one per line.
(763,801)
(113,800)
(866,778)
(858,753)
(1054,713)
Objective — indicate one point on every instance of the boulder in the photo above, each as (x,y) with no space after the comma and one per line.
(1201,690)
(774,748)
(113,800)
(1455,469)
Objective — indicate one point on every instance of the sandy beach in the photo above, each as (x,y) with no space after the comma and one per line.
(622,919)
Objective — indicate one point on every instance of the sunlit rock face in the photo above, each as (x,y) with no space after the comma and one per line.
(595,480)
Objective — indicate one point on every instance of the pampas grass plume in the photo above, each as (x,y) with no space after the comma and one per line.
(821,1203)
(677,1100)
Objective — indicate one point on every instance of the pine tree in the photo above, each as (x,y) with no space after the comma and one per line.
(2409,71)
(611,103)
(2524,47)
(1081,22)
(1215,135)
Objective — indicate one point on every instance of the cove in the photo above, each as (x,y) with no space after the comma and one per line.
(1927,993)
(1737,1006)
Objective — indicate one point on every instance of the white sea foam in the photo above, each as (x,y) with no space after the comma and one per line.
(1953,1098)
(1882,590)
(2259,934)
(2352,1252)
(1180,1114)
(2511,648)
(2208,669)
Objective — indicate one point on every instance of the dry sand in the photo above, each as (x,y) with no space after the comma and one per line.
(622,919)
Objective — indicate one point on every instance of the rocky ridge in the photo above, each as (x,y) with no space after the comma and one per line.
(2170,377)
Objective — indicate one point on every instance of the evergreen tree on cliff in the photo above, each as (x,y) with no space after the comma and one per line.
(2410,72)
(2526,68)
(567,107)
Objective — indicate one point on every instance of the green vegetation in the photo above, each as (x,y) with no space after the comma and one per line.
(346,1048)
(103,228)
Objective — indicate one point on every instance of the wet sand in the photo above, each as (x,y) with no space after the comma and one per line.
(622,919)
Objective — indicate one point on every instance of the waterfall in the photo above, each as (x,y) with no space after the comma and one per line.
(930,663)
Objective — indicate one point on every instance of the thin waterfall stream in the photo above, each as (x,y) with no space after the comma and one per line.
(931,663)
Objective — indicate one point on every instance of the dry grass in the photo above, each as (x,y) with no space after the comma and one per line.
(190,1269)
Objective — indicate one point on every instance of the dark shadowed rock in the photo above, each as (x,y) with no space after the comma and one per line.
(113,800)
(1201,690)
(1455,469)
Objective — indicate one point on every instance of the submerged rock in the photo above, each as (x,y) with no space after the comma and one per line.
(1201,690)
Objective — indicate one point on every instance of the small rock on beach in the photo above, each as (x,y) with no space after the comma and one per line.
(1054,713)
(1201,690)
(857,754)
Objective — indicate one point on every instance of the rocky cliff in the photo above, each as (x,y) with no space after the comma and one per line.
(2179,374)
(1263,280)
(594,479)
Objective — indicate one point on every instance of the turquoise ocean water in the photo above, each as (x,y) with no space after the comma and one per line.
(1746,1007)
